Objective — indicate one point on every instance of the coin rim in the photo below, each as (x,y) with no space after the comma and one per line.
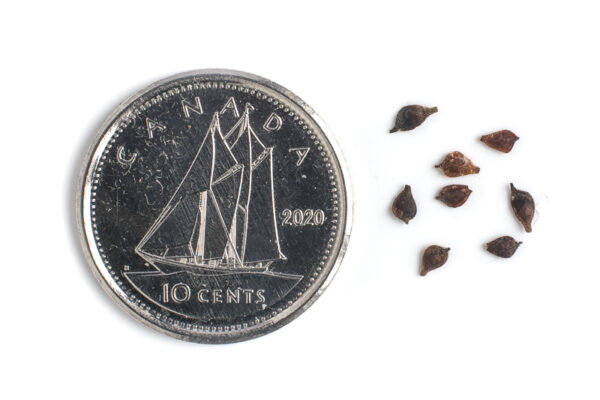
(215,337)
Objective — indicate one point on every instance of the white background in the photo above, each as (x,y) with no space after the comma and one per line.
(478,328)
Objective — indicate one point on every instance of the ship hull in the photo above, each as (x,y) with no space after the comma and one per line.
(171,266)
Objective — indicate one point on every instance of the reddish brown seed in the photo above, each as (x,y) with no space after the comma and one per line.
(404,206)
(523,206)
(409,117)
(456,164)
(502,140)
(504,246)
(433,257)
(454,195)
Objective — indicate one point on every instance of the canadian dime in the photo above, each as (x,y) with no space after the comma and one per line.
(214,206)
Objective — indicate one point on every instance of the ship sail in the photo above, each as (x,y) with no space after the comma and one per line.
(222,214)
(262,239)
(256,222)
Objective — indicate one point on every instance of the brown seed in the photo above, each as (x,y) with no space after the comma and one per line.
(523,206)
(409,117)
(404,206)
(433,257)
(504,246)
(454,195)
(456,164)
(502,140)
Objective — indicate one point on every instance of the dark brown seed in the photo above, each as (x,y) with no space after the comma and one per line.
(504,246)
(433,257)
(454,195)
(523,206)
(409,117)
(404,206)
(502,140)
(456,164)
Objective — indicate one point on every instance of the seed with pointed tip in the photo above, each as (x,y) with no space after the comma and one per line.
(404,206)
(454,195)
(409,117)
(502,140)
(433,257)
(504,246)
(457,164)
(523,206)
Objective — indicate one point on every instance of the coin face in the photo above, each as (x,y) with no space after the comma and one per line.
(214,206)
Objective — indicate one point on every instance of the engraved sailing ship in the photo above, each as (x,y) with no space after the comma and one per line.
(221,218)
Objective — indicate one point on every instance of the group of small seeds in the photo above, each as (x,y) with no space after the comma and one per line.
(454,165)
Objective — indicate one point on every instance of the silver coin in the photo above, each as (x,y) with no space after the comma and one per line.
(214,206)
